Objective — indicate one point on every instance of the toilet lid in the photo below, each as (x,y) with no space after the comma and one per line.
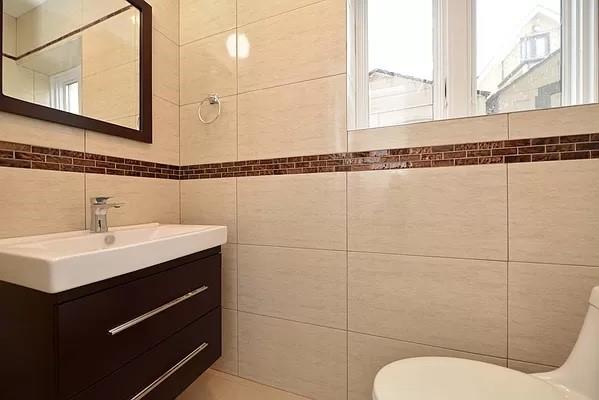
(437,378)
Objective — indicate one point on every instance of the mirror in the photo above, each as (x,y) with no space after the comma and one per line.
(80,61)
(416,61)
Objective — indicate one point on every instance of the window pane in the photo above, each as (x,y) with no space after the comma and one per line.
(518,55)
(400,61)
(72,90)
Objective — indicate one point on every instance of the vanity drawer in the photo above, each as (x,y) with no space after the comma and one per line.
(165,371)
(99,333)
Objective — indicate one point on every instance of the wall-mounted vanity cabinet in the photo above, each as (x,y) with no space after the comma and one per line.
(146,334)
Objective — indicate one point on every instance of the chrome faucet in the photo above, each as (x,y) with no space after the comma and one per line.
(99,207)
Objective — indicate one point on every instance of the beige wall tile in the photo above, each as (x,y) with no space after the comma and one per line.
(293,211)
(216,142)
(9,30)
(299,119)
(93,10)
(214,385)
(207,67)
(165,141)
(451,131)
(297,284)
(251,10)
(14,128)
(555,122)
(166,17)
(228,360)
(165,68)
(229,276)
(202,18)
(210,202)
(17,80)
(453,212)
(368,354)
(117,100)
(547,305)
(146,199)
(110,43)
(457,304)
(554,212)
(305,359)
(304,44)
(36,202)
(528,368)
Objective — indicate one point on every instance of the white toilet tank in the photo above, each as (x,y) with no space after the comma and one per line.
(580,373)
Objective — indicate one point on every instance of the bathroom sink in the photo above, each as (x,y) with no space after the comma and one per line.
(58,262)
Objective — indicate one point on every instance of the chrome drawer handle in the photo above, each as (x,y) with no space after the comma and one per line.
(168,373)
(149,314)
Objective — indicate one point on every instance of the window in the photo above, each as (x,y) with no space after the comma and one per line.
(64,88)
(419,60)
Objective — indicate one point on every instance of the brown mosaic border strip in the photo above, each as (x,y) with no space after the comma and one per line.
(19,155)
(555,148)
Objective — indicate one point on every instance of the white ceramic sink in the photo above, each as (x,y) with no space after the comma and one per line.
(63,261)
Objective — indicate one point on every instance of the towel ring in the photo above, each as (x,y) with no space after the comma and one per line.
(212,99)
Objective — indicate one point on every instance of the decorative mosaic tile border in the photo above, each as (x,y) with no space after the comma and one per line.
(555,148)
(500,152)
(19,155)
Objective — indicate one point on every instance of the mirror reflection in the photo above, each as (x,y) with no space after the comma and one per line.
(79,56)
(415,61)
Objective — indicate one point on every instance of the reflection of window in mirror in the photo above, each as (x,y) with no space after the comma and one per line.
(414,61)
(64,90)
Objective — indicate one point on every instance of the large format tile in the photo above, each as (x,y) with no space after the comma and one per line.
(228,360)
(453,212)
(166,18)
(14,128)
(451,131)
(554,212)
(36,202)
(528,368)
(292,120)
(214,385)
(202,18)
(368,354)
(457,304)
(304,359)
(165,138)
(210,202)
(547,305)
(229,276)
(209,143)
(146,199)
(297,284)
(121,98)
(110,43)
(554,122)
(293,211)
(165,68)
(208,66)
(250,10)
(308,43)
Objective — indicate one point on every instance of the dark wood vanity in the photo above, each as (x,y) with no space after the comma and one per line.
(144,335)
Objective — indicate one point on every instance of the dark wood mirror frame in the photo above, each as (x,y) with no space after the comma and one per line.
(144,134)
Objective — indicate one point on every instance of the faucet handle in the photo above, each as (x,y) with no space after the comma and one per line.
(100,200)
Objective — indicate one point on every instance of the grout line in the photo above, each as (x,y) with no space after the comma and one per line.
(507,266)
(237,179)
(372,335)
(346,286)
(292,83)
(282,13)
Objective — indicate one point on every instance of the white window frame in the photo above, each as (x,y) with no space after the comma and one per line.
(58,88)
(580,69)
(454,58)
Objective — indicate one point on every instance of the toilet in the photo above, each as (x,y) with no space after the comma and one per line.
(439,378)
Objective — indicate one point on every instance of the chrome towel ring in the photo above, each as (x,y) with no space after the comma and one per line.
(212,100)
